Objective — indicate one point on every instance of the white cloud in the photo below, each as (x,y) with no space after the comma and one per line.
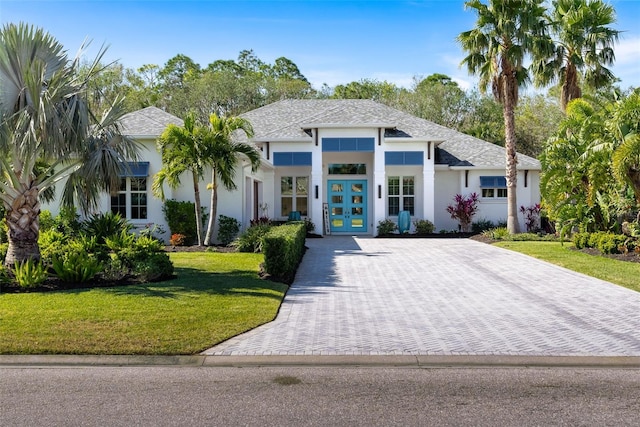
(628,51)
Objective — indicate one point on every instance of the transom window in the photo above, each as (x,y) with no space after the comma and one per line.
(347,169)
(294,195)
(130,201)
(401,194)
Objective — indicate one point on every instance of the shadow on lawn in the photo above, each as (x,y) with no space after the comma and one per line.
(196,282)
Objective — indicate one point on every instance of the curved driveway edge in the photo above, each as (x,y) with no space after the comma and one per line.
(441,297)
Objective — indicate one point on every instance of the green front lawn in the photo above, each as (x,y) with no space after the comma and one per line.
(216,296)
(622,273)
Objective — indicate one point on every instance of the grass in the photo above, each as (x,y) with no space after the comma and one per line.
(622,273)
(216,296)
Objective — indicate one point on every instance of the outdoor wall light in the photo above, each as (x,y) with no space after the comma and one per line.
(379,191)
(316,191)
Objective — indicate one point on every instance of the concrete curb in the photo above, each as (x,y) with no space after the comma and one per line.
(419,361)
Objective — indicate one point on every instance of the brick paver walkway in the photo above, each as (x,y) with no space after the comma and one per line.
(366,296)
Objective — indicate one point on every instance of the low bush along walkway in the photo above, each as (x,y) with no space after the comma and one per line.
(215,296)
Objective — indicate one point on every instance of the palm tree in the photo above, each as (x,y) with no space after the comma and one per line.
(45,120)
(182,150)
(223,154)
(506,32)
(584,47)
(623,127)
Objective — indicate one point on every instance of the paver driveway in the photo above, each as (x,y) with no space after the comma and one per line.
(366,296)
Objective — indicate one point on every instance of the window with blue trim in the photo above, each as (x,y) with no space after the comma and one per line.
(493,186)
(130,200)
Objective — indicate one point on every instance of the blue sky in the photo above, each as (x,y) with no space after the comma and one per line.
(332,42)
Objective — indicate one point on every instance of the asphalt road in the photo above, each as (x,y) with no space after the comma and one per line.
(318,396)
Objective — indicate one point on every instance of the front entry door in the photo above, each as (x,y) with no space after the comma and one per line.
(348,205)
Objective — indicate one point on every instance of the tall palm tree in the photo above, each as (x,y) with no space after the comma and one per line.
(506,32)
(182,150)
(45,120)
(223,153)
(584,44)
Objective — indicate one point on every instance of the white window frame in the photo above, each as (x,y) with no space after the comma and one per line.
(128,194)
(401,196)
(294,196)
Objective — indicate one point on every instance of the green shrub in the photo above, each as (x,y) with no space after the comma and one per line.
(481,225)
(181,219)
(29,273)
(78,267)
(228,229)
(104,225)
(46,221)
(581,240)
(283,249)
(500,233)
(154,267)
(309,226)
(386,226)
(252,238)
(53,243)
(424,226)
(610,243)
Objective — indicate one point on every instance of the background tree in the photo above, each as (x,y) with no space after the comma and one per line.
(583,47)
(222,153)
(506,32)
(45,120)
(436,98)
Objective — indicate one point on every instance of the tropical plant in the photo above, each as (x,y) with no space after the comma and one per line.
(464,209)
(183,150)
(29,273)
(583,49)
(506,33)
(104,225)
(44,120)
(222,154)
(180,219)
(78,267)
(531,216)
(252,238)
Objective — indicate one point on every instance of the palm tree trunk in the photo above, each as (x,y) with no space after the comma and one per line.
(508,109)
(213,209)
(196,190)
(23,221)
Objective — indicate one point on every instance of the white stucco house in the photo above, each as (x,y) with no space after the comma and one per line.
(344,164)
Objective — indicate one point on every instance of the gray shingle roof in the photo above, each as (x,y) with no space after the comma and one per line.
(148,122)
(285,120)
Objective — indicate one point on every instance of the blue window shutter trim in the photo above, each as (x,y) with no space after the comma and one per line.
(414,158)
(282,159)
(365,144)
(136,170)
(393,158)
(301,159)
(330,144)
(402,158)
(348,144)
(493,182)
(289,158)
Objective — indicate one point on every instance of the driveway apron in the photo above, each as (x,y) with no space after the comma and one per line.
(367,296)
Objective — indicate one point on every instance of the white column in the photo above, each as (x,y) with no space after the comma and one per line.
(428,178)
(379,182)
(316,182)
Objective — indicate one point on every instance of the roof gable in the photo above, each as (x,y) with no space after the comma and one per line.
(288,120)
(148,122)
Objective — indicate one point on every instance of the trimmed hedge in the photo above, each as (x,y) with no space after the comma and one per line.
(283,248)
(605,242)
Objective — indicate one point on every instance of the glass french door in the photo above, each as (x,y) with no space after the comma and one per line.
(348,205)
